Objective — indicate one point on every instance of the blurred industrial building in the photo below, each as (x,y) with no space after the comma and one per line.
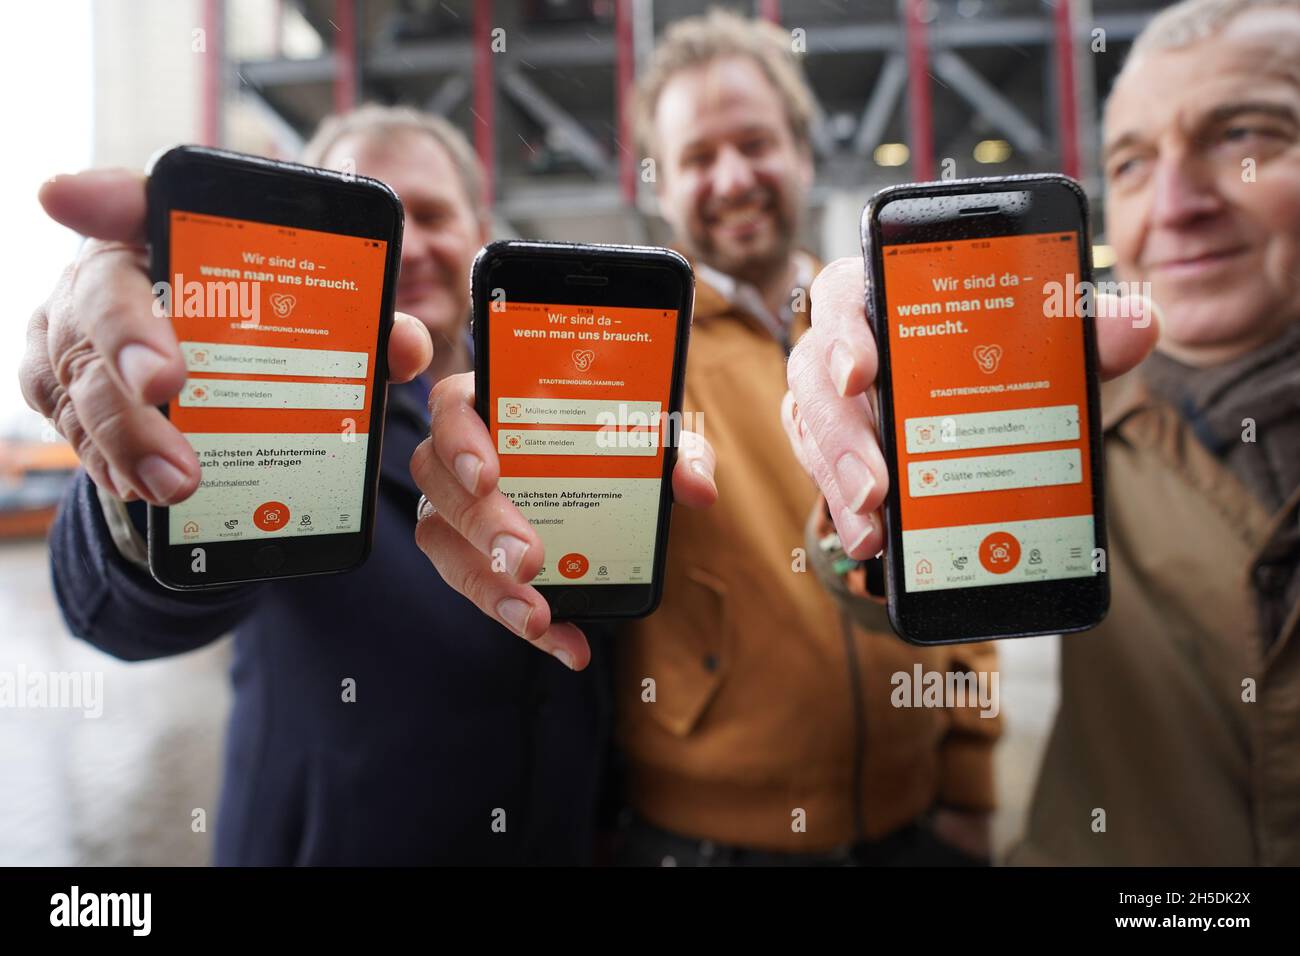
(908,89)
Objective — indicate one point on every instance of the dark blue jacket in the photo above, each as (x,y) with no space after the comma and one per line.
(455,718)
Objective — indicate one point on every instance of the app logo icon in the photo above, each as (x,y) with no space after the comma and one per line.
(988,357)
(282,304)
(583,359)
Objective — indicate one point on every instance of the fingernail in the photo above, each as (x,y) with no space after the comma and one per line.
(512,549)
(702,470)
(121,487)
(563,656)
(467,468)
(855,480)
(138,364)
(515,613)
(847,519)
(161,477)
(841,367)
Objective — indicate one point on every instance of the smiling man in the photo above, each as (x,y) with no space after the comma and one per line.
(1175,742)
(1190,753)
(756,722)
(395,772)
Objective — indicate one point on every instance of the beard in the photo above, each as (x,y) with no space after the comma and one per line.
(754,263)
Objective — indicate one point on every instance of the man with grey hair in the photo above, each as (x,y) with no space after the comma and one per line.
(1176,739)
(377,716)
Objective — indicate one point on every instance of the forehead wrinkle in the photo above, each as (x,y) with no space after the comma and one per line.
(1250,65)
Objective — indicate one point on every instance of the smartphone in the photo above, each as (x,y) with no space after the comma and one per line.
(987,408)
(579,358)
(278,280)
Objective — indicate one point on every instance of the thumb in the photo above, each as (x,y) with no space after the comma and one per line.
(410,348)
(100,203)
(1127,330)
(693,482)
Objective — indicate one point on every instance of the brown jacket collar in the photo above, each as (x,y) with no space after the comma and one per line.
(711,304)
(1122,398)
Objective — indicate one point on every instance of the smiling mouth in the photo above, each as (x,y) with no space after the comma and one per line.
(1193,265)
(416,290)
(742,220)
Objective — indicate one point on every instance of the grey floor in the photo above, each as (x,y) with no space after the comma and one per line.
(114,790)
(123,789)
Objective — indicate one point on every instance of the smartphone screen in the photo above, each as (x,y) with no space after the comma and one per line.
(579,401)
(990,410)
(279,328)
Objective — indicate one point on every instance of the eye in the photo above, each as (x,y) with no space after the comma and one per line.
(1260,140)
(1125,167)
(429,215)
(1243,133)
(1239,135)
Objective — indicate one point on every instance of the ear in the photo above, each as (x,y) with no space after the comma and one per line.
(659,177)
(807,165)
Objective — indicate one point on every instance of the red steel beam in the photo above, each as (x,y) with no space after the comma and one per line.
(626,62)
(212,71)
(920,108)
(277,30)
(484,98)
(1067,107)
(345,55)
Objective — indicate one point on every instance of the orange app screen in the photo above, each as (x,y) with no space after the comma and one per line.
(578,398)
(278,327)
(990,410)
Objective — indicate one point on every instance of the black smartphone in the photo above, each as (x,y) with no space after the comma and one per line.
(579,358)
(278,280)
(980,294)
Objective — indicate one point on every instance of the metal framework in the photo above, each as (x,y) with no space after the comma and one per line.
(542,87)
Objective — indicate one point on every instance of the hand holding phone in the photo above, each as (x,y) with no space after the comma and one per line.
(82,367)
(279,281)
(837,398)
(530,387)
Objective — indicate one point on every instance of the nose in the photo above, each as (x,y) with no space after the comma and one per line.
(413,244)
(1184,191)
(732,175)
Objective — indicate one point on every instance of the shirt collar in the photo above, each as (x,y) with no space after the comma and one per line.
(746,297)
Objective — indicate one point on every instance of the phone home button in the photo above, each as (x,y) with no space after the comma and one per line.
(269,559)
(572,604)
